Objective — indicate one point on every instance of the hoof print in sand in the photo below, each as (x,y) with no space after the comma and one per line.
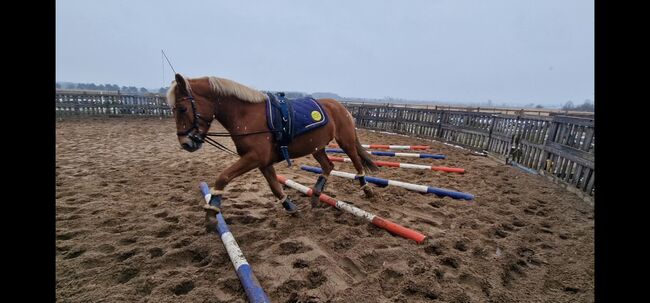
(290,248)
(183,288)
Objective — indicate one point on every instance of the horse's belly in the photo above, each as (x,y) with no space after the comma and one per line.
(310,142)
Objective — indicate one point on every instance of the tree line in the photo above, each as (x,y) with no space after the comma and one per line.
(587,106)
(109,87)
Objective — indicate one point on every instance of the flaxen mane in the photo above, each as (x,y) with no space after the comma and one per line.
(227,87)
(223,87)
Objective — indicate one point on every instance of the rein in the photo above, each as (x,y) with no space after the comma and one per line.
(227,134)
(219,146)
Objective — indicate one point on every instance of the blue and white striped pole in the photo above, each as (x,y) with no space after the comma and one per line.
(524,168)
(392,154)
(253,289)
(385,182)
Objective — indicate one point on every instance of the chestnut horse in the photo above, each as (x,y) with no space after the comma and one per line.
(241,110)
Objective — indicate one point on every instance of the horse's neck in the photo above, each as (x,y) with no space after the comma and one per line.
(231,113)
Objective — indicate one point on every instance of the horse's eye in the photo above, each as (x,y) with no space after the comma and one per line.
(182,109)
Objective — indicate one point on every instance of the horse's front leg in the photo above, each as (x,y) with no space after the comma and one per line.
(270,176)
(242,166)
(327,167)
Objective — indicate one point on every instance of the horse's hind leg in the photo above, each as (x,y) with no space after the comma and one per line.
(276,188)
(327,167)
(350,149)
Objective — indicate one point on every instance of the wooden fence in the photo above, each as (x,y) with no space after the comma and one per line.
(82,103)
(559,147)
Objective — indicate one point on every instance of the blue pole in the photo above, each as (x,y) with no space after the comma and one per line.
(252,287)
(524,168)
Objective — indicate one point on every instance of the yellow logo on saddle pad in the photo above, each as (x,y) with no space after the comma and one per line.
(316,116)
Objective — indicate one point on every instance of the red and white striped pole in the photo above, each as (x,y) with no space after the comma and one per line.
(383,146)
(376,220)
(406,165)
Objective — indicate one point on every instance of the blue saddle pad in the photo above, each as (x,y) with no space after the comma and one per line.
(305,114)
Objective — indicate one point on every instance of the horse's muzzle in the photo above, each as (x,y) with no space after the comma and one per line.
(191,146)
(194,143)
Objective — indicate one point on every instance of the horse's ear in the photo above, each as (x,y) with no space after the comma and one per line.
(180,83)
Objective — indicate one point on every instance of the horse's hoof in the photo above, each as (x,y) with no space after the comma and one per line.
(319,187)
(210,223)
(314,201)
(211,217)
(289,206)
(211,210)
(368,192)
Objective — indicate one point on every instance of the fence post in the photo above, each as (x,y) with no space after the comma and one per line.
(514,139)
(489,140)
(552,133)
(442,120)
(77,104)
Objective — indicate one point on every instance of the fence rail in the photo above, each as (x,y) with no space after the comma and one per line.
(492,110)
(82,103)
(559,147)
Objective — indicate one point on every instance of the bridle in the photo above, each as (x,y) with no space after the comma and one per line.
(194,132)
(195,120)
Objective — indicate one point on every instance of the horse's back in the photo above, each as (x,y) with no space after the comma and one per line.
(337,112)
(329,101)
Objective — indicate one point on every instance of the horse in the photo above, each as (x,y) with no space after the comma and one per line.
(241,110)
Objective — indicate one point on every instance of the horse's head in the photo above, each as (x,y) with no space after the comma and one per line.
(193,113)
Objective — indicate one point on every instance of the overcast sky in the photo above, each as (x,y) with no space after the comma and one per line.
(507,51)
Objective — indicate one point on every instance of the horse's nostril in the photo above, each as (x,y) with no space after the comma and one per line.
(186,145)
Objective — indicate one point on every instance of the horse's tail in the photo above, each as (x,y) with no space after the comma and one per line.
(367,163)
